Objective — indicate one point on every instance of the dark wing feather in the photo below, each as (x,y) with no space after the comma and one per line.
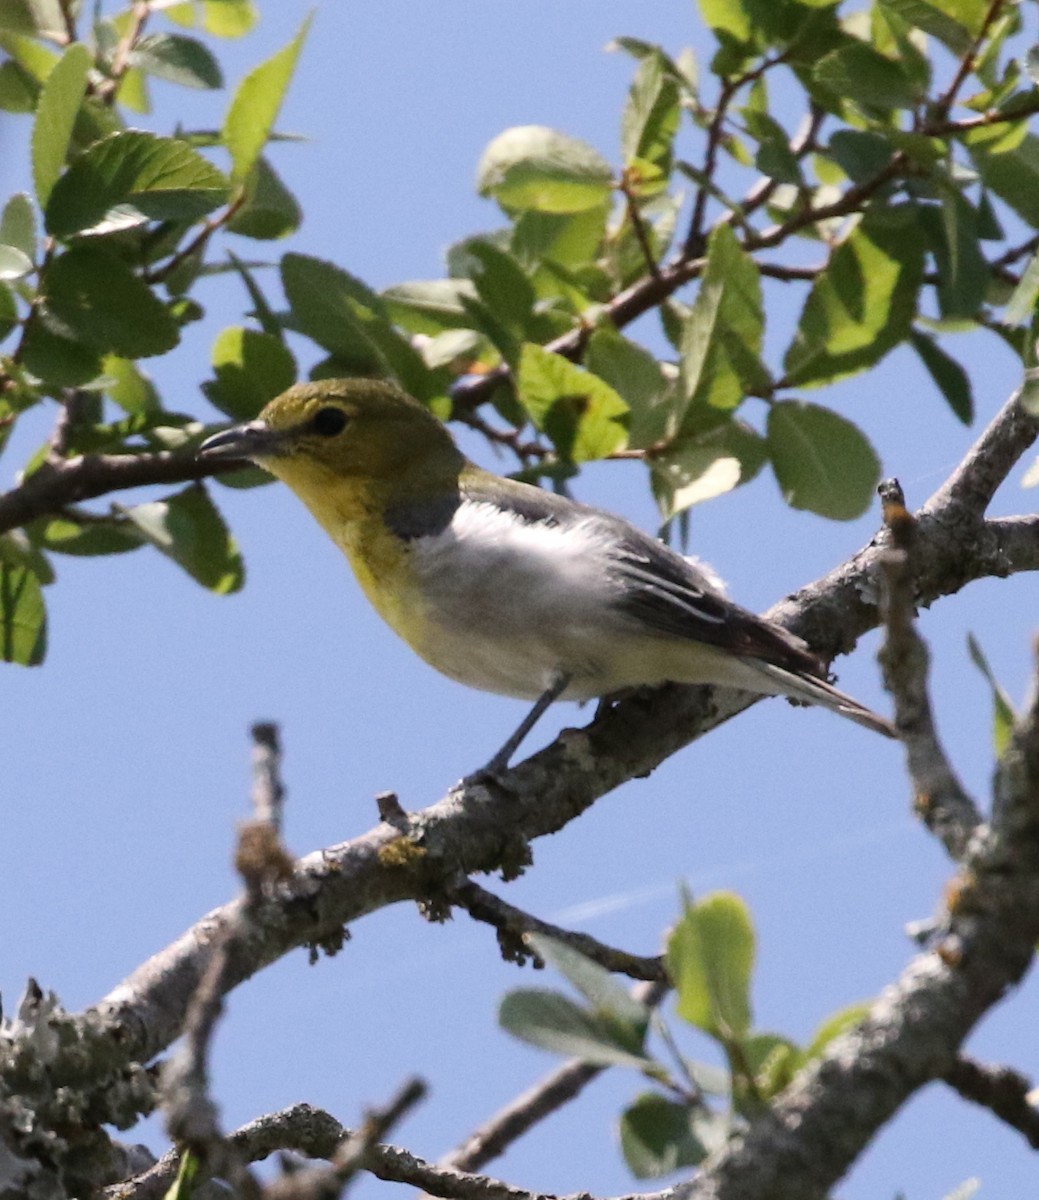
(663,591)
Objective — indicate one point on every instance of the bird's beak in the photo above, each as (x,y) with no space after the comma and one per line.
(253,441)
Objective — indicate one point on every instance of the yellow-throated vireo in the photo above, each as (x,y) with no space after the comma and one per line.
(504,586)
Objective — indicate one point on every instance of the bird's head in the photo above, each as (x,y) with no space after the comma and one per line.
(317,435)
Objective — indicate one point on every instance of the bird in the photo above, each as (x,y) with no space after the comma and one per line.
(502,585)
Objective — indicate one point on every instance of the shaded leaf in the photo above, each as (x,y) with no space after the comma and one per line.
(1021,306)
(99,300)
(58,360)
(1013,175)
(177,59)
(866,77)
(130,178)
(129,387)
(23,617)
(935,20)
(710,956)
(533,167)
(62,536)
(187,528)
(1003,715)
(251,368)
(651,114)
(822,462)
(952,380)
(270,209)
(554,1022)
(657,1138)
(56,111)
(606,996)
(8,320)
(255,106)
(699,466)
(583,415)
(637,377)
(18,225)
(430,305)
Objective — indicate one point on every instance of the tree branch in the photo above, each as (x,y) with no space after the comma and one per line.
(1002,1090)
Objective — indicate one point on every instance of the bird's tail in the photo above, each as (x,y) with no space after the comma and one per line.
(811,690)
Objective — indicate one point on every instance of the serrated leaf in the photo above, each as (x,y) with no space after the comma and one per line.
(657,1138)
(534,167)
(188,529)
(256,104)
(583,415)
(822,462)
(866,77)
(23,617)
(862,305)
(59,103)
(13,263)
(710,956)
(270,210)
(554,1022)
(18,225)
(251,368)
(1003,715)
(177,59)
(952,380)
(99,300)
(130,178)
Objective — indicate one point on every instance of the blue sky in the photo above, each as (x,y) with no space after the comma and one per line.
(126,756)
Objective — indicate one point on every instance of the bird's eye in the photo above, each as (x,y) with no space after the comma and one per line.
(329,421)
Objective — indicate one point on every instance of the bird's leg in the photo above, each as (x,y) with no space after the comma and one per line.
(552,693)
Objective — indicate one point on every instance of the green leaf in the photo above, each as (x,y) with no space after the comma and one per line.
(18,225)
(933,20)
(8,320)
(657,1137)
(1003,715)
(18,550)
(13,263)
(58,360)
(699,466)
(571,240)
(229,18)
(1013,176)
(606,996)
(256,104)
(187,528)
(262,310)
(952,380)
(184,1186)
(860,153)
(502,285)
(584,417)
(177,59)
(349,320)
(533,167)
(251,368)
(1021,306)
(728,19)
(18,90)
(710,956)
(721,346)
(865,76)
(62,536)
(270,209)
(834,1025)
(430,305)
(651,115)
(822,462)
(99,300)
(862,305)
(56,112)
(554,1022)
(637,377)
(963,272)
(130,178)
(23,618)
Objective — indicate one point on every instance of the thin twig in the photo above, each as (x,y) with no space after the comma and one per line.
(940,798)
(967,62)
(139,14)
(197,243)
(638,226)
(511,923)
(1001,1089)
